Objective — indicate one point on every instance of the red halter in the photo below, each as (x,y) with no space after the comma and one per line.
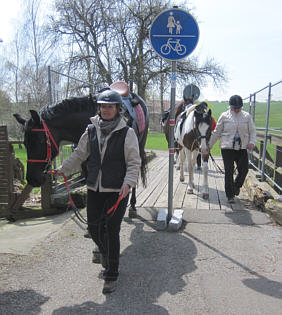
(48,143)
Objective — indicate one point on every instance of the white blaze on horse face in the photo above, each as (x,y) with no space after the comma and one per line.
(203,128)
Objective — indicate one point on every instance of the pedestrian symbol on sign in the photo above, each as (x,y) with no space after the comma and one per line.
(173,24)
(174,34)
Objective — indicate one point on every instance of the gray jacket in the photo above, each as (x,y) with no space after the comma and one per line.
(228,124)
(131,154)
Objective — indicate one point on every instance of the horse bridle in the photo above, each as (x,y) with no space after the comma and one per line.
(49,141)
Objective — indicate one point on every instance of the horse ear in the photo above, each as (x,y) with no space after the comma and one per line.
(35,116)
(209,112)
(19,119)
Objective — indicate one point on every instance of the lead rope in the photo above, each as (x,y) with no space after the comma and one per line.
(73,206)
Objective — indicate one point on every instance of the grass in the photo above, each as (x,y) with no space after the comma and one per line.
(157,141)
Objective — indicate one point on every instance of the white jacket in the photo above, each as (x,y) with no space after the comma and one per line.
(228,124)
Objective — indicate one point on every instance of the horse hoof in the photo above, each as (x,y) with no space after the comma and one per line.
(190,191)
(182,179)
(177,168)
(206,196)
(132,213)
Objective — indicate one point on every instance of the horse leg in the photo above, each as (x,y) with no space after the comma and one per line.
(132,212)
(181,164)
(205,177)
(190,166)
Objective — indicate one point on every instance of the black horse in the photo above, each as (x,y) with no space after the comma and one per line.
(66,121)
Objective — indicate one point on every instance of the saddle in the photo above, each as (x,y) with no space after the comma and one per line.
(133,105)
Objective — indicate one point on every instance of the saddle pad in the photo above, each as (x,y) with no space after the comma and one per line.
(136,113)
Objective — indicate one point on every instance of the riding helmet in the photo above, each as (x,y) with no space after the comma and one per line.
(236,101)
(109,97)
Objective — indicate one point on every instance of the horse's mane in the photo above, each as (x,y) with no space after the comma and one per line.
(69,106)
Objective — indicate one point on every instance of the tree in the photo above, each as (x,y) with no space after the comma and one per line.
(112,38)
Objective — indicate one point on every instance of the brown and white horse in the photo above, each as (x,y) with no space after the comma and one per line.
(193,135)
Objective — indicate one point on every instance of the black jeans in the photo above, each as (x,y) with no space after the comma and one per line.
(240,157)
(104,229)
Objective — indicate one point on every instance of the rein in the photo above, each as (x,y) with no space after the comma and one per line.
(49,141)
(73,206)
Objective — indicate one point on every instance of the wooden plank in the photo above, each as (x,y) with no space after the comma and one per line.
(156,172)
(224,205)
(202,204)
(153,165)
(180,194)
(153,186)
(162,202)
(213,193)
(191,200)
(156,194)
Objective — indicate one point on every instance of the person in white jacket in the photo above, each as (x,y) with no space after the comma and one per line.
(111,150)
(237,133)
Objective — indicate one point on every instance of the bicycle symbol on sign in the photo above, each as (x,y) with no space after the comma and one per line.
(178,48)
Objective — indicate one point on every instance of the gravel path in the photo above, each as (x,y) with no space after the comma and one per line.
(202,269)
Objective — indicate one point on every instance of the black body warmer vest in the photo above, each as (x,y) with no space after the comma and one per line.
(113,166)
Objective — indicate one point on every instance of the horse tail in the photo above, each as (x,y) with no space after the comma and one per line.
(144,161)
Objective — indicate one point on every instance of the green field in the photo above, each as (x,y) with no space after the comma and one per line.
(275,113)
(157,141)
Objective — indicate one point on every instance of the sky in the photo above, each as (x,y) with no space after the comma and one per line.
(244,37)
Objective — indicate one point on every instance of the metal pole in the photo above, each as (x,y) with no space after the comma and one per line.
(171,139)
(265,133)
(250,104)
(254,108)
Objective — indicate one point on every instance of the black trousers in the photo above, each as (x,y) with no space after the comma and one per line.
(240,157)
(104,229)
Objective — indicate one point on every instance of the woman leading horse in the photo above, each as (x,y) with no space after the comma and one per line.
(111,150)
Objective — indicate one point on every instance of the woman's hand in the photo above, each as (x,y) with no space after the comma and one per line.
(250,146)
(124,190)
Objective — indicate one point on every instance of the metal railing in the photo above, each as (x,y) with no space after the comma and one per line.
(264,109)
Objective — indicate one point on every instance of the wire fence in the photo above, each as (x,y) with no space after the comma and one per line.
(265,106)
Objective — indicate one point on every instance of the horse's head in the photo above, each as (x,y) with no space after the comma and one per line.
(203,124)
(35,141)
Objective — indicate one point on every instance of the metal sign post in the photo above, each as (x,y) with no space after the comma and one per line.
(171,138)
(174,35)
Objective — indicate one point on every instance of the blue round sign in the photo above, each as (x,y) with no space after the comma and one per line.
(174,34)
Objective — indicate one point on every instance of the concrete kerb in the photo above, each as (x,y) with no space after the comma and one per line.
(264,196)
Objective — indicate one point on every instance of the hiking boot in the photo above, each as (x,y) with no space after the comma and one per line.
(231,200)
(236,191)
(109,287)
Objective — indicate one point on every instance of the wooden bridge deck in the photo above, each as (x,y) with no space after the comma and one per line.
(155,195)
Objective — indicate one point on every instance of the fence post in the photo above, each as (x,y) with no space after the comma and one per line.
(265,133)
(250,104)
(254,107)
